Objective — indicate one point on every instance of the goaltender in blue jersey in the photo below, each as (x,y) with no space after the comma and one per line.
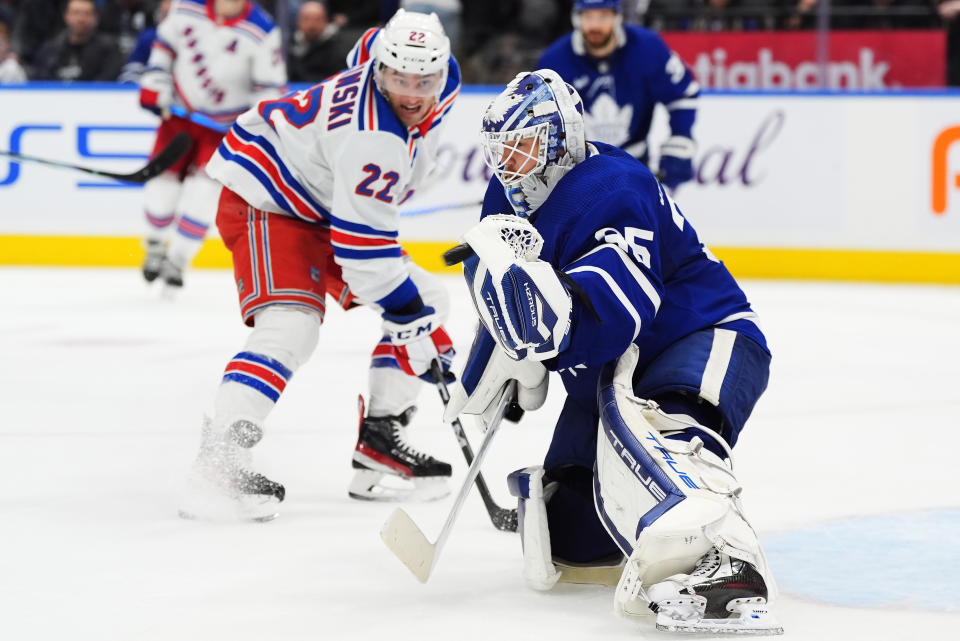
(583,264)
(622,72)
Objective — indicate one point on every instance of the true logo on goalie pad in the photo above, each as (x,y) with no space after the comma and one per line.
(648,482)
(672,462)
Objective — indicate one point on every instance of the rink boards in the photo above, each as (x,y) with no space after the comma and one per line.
(835,186)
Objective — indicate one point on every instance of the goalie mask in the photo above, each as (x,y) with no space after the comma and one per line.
(414,46)
(532,133)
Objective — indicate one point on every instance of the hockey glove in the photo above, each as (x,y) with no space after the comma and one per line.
(486,378)
(418,339)
(156,92)
(519,298)
(676,161)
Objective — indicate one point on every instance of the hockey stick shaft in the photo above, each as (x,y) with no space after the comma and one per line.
(435,208)
(198,118)
(157,165)
(407,541)
(502,518)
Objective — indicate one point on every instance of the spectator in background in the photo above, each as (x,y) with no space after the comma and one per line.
(892,14)
(79,52)
(10,70)
(949,10)
(125,20)
(37,22)
(447,10)
(284,12)
(137,62)
(354,17)
(500,38)
(316,51)
(734,15)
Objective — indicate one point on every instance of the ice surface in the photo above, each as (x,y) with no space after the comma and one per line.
(103,386)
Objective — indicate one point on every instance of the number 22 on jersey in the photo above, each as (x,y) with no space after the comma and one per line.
(369,185)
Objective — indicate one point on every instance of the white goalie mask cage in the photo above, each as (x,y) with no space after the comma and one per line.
(413,43)
(539,107)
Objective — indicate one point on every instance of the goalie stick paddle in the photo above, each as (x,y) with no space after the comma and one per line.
(502,518)
(159,164)
(406,540)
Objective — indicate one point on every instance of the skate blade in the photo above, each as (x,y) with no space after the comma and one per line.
(169,293)
(206,501)
(371,485)
(190,516)
(753,619)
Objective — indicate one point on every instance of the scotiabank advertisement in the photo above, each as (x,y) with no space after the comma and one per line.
(857,60)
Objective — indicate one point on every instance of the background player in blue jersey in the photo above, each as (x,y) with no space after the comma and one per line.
(622,72)
(597,275)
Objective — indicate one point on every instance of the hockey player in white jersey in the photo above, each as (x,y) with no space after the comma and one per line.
(583,265)
(310,207)
(215,59)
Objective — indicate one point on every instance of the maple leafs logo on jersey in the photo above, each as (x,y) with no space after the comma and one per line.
(498,109)
(607,122)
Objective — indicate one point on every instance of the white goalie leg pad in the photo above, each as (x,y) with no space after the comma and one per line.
(526,484)
(666,502)
(287,335)
(485,378)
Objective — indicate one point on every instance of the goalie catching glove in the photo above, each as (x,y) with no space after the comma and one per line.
(519,297)
(417,340)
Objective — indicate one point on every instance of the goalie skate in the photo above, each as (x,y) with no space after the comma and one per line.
(221,486)
(722,595)
(388,469)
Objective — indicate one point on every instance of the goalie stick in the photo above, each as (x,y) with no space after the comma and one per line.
(502,518)
(157,165)
(407,541)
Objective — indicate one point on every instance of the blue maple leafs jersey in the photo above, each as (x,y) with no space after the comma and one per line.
(620,92)
(614,230)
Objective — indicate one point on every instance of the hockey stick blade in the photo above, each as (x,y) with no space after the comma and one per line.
(503,519)
(406,540)
(159,164)
(408,543)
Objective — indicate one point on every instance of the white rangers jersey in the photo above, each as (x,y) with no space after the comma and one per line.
(336,155)
(217,67)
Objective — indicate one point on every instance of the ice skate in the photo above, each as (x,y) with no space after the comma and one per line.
(152,263)
(221,485)
(171,273)
(721,595)
(388,469)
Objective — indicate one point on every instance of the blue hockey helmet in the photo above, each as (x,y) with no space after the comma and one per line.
(583,5)
(537,106)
